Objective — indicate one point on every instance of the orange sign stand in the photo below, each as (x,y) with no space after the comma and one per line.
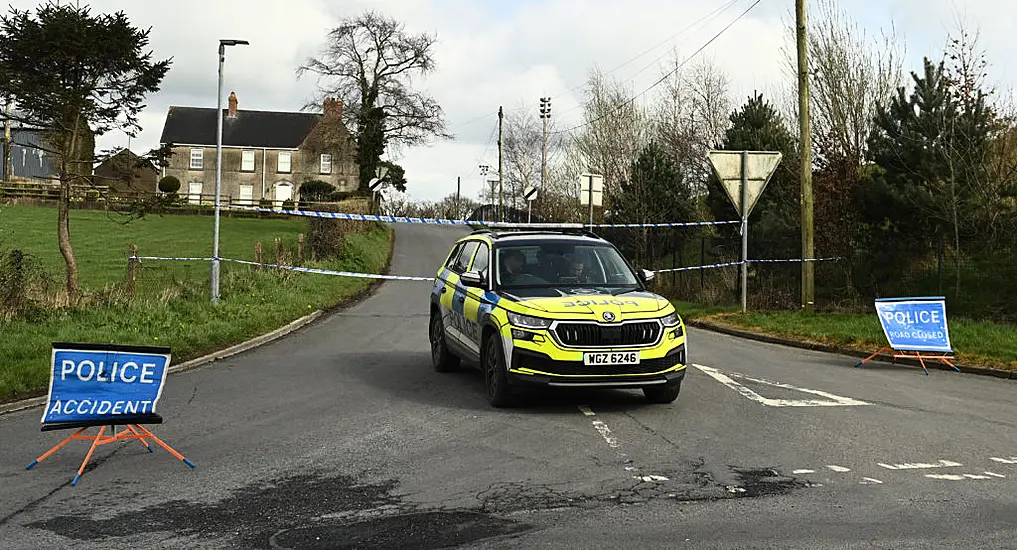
(132,431)
(908,354)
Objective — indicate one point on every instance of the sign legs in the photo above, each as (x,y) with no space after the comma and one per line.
(132,431)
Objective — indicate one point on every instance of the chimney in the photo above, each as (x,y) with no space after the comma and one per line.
(233,105)
(332,108)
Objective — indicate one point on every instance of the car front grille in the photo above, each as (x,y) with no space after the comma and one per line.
(543,363)
(608,336)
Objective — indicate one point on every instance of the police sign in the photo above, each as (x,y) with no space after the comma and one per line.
(96,383)
(915,324)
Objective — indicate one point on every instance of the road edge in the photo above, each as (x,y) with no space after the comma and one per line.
(840,350)
(257,341)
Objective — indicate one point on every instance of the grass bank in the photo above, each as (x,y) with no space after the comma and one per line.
(977,343)
(172,307)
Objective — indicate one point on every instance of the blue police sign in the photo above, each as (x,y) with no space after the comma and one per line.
(915,324)
(100,383)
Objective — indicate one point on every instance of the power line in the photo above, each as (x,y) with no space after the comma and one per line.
(665,77)
(709,16)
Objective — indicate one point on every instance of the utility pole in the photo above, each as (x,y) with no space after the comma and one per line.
(805,138)
(501,212)
(459,184)
(545,115)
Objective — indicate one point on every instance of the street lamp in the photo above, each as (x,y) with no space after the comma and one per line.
(218,166)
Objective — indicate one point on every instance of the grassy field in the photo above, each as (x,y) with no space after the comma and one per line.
(979,343)
(173,307)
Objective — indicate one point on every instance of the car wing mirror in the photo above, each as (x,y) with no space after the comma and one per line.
(473,279)
(647,275)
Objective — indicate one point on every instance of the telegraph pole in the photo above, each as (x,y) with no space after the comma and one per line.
(459,184)
(805,138)
(501,213)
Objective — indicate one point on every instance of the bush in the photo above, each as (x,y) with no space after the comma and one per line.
(288,204)
(169,184)
(316,191)
(265,203)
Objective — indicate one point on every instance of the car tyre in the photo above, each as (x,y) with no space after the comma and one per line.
(499,394)
(663,394)
(442,359)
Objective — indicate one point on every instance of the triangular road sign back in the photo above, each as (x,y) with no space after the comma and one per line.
(760,165)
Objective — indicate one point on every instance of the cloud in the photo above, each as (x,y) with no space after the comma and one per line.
(509,53)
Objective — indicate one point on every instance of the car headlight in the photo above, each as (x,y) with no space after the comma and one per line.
(525,321)
(670,320)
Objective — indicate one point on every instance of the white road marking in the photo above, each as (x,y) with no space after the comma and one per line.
(586,410)
(957,477)
(803,471)
(650,478)
(1011,460)
(837,468)
(993,474)
(921,465)
(870,481)
(832,400)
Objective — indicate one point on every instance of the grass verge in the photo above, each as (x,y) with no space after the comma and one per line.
(173,307)
(977,343)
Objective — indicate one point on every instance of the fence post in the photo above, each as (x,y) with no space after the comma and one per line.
(259,256)
(278,251)
(300,249)
(132,271)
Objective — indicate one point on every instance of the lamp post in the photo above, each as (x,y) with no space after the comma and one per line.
(218,166)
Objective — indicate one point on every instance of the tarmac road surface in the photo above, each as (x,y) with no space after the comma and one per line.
(341,435)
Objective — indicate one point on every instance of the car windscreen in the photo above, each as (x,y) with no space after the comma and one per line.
(555,264)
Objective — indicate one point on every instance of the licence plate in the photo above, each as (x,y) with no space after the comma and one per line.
(611,358)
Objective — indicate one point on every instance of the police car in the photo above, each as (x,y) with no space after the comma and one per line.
(559,309)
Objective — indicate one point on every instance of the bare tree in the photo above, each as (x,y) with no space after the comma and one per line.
(849,75)
(690,118)
(367,63)
(615,130)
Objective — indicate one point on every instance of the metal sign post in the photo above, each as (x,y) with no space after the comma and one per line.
(591,192)
(530,193)
(743,175)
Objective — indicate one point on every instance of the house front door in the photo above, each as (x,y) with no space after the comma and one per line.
(283,192)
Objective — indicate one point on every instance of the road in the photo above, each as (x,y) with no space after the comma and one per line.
(341,435)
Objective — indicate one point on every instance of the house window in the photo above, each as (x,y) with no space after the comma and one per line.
(326,163)
(194,190)
(284,162)
(197,158)
(247,161)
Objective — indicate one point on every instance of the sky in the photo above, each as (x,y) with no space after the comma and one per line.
(493,53)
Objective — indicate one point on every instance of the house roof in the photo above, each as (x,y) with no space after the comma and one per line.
(271,129)
(123,153)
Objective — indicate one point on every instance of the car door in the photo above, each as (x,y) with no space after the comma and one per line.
(458,328)
(474,297)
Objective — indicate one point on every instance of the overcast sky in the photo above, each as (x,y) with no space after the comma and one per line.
(511,53)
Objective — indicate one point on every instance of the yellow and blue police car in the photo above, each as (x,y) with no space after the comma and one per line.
(555,308)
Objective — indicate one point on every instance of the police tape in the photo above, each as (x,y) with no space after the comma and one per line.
(795,260)
(445,221)
(288,268)
(690,268)
(329,272)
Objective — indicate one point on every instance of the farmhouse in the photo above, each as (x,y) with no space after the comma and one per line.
(265,155)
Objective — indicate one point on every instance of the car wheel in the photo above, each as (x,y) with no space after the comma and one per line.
(663,394)
(495,378)
(442,359)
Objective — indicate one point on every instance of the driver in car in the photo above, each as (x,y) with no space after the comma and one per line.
(511,265)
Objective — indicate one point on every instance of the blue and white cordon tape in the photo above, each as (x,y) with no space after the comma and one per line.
(444,221)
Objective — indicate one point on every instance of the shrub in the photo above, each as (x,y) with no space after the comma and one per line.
(288,204)
(169,184)
(316,191)
(265,203)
